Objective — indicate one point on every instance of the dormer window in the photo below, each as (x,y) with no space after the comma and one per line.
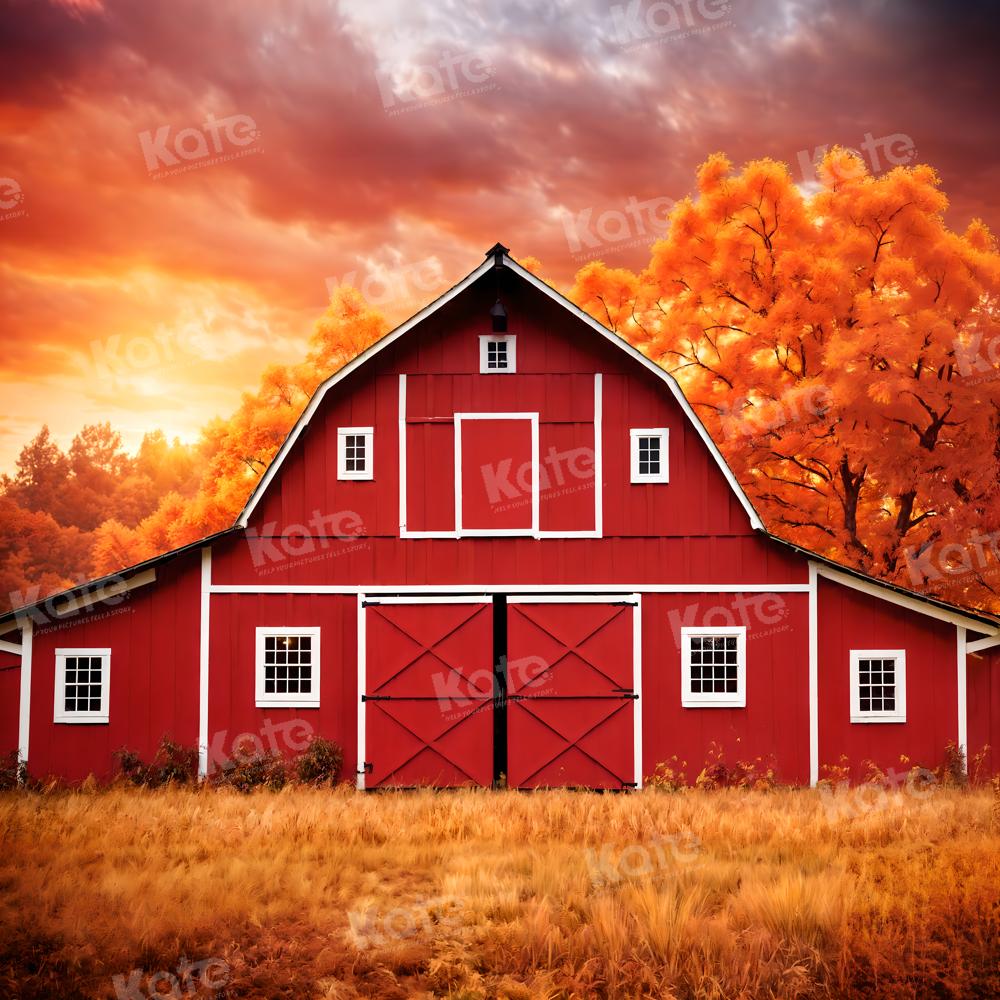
(497,354)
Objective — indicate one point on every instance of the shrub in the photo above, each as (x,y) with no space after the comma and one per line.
(251,767)
(668,775)
(172,763)
(13,772)
(320,763)
(952,771)
(747,774)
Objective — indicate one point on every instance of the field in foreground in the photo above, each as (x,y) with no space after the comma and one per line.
(311,893)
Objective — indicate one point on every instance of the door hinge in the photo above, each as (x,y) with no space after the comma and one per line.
(630,784)
(367,767)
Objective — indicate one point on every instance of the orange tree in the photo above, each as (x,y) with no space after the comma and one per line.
(844,349)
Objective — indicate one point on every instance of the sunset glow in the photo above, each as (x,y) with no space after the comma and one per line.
(149,283)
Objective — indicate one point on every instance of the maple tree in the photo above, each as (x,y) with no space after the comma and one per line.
(843,350)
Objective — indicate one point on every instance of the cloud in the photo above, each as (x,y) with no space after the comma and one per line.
(398,141)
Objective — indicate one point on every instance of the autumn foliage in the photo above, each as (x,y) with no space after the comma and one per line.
(842,347)
(844,350)
(67,517)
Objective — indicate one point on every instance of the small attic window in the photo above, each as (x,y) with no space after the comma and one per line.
(354,453)
(497,354)
(650,455)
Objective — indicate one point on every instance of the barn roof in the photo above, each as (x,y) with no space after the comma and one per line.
(499,255)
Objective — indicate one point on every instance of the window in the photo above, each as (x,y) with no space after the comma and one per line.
(288,667)
(497,354)
(82,677)
(650,459)
(355,459)
(878,685)
(713,667)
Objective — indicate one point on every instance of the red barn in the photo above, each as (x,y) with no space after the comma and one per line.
(499,542)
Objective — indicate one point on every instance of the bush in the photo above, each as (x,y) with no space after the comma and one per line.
(668,775)
(252,768)
(746,774)
(172,763)
(320,763)
(13,773)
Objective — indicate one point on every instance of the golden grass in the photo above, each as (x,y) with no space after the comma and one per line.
(310,893)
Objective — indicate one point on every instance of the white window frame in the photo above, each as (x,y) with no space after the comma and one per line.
(898,714)
(663,433)
(284,699)
(510,340)
(369,435)
(713,699)
(60,715)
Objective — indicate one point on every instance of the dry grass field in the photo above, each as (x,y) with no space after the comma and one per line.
(310,893)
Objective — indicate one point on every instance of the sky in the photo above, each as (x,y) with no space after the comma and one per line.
(182,183)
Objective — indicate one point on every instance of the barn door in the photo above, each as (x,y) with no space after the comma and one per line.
(427,708)
(571,693)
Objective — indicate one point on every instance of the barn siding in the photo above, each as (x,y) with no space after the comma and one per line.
(557,358)
(983,691)
(153,635)
(362,562)
(232,710)
(774,725)
(852,620)
(10,697)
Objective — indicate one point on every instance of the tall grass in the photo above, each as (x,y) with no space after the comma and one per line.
(319,893)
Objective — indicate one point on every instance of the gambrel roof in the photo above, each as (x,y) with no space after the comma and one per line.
(498,256)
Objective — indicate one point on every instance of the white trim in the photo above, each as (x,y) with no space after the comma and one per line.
(433,599)
(636,601)
(813,676)
(287,700)
(11,647)
(714,699)
(460,530)
(588,598)
(963,694)
(599,455)
(517,588)
(99,716)
(663,433)
(898,714)
(895,597)
(510,340)
(362,683)
(433,307)
(368,472)
(24,707)
(402,456)
(982,644)
(113,588)
(203,637)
